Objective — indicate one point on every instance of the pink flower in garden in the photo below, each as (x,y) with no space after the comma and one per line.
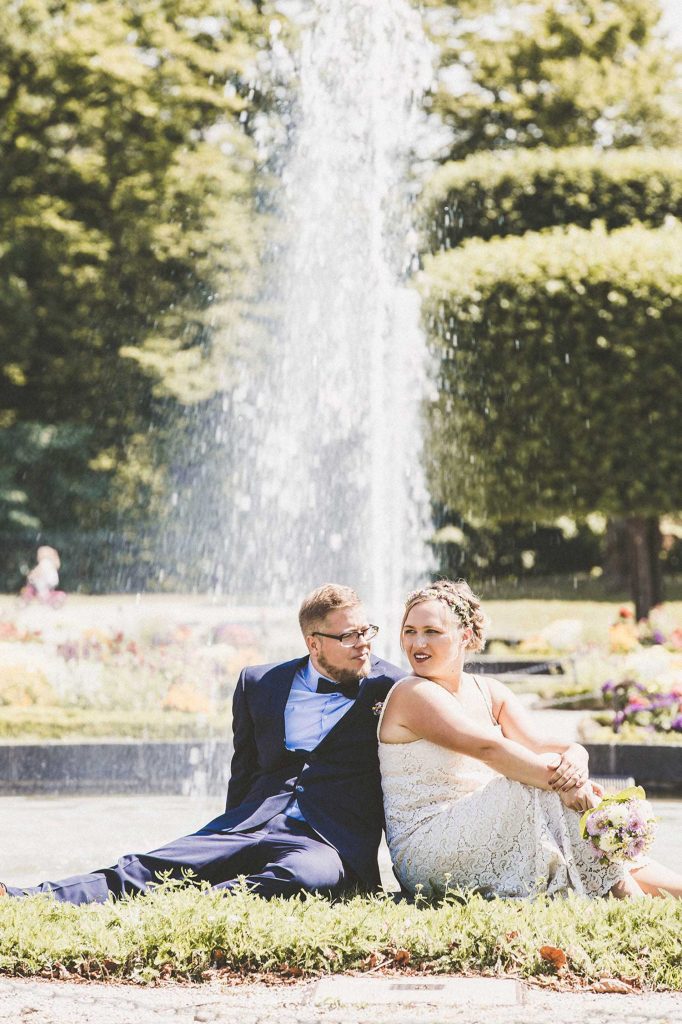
(637,703)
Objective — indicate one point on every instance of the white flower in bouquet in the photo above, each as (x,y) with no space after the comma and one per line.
(619,814)
(608,843)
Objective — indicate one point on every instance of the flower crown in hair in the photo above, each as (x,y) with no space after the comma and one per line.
(459,605)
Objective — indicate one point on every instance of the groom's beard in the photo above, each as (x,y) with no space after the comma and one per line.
(345,675)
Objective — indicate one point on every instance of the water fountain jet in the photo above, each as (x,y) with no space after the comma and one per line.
(330,483)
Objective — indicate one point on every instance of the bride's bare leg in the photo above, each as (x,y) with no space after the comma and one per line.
(627,889)
(657,880)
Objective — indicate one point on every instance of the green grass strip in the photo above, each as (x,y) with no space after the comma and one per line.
(36,724)
(186,933)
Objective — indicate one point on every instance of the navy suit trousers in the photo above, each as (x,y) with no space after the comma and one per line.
(280,857)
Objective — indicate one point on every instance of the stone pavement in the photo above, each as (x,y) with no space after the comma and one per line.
(88,832)
(214,1003)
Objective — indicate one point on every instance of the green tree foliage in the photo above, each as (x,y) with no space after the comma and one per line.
(127,239)
(578,73)
(567,329)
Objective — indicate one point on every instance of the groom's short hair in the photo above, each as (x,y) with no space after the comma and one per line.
(327,598)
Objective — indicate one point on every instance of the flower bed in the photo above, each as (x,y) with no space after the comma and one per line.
(171,683)
(640,713)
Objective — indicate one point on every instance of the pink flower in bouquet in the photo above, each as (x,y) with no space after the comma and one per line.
(635,848)
(597,823)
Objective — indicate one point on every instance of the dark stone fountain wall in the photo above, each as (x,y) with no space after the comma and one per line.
(107,768)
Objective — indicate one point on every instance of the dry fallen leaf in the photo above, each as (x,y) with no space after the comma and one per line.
(402,956)
(611,985)
(554,956)
(373,959)
(290,971)
(511,935)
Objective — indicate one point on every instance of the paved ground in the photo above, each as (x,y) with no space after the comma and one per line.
(52,837)
(67,1003)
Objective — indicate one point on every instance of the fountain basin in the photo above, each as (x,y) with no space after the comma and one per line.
(656,767)
(182,767)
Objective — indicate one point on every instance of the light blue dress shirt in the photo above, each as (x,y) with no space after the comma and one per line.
(309,715)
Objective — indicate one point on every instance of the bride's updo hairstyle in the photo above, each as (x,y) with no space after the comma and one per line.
(464,606)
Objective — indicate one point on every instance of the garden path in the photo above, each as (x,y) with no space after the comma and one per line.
(45,1002)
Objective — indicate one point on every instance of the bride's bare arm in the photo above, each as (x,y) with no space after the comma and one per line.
(523,727)
(421,710)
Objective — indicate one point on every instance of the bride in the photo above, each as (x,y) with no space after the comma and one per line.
(476,796)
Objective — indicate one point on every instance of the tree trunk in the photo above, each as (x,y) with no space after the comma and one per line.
(643,546)
(616,561)
(655,545)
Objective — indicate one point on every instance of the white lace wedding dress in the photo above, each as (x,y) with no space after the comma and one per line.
(451,820)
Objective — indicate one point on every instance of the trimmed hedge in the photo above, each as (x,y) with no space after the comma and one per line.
(511,192)
(560,359)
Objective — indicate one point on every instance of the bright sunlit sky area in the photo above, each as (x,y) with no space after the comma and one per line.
(673,18)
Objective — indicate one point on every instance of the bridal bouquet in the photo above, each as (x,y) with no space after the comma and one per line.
(621,827)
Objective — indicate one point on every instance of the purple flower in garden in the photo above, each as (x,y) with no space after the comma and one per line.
(657,637)
(637,704)
(618,720)
(677,724)
(664,700)
(608,687)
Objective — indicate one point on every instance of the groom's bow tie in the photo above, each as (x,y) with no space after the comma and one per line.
(349,690)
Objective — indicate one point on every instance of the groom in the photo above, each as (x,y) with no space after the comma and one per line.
(304,806)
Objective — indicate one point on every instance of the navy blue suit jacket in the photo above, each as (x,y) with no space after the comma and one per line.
(337,785)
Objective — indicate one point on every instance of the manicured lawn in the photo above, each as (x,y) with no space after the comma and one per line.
(518,618)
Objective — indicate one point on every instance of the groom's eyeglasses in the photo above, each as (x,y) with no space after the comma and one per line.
(351,639)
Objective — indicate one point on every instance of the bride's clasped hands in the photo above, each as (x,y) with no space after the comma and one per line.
(475,795)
